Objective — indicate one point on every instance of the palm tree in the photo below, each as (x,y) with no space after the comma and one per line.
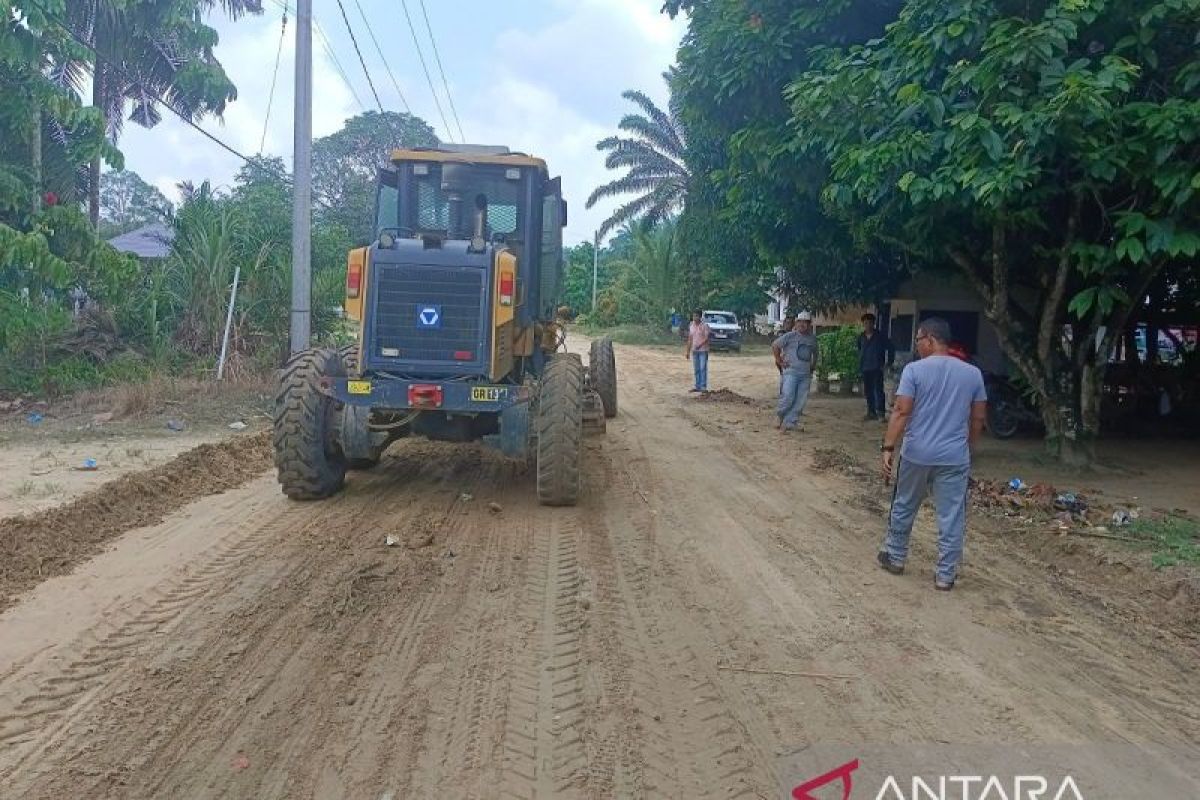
(647,282)
(146,51)
(656,157)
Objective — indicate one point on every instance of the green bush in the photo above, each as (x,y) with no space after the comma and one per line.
(839,353)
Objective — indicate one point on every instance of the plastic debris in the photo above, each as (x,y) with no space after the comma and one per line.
(1121,517)
(35,418)
(237,426)
(174,425)
(1068,501)
(466,498)
(391,541)
(88,465)
(1017,485)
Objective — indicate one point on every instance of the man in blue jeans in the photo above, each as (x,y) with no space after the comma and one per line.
(939,411)
(796,356)
(696,348)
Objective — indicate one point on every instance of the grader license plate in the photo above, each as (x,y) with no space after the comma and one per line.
(358,387)
(487,394)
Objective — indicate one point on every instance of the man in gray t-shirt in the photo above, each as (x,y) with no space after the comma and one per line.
(940,408)
(796,356)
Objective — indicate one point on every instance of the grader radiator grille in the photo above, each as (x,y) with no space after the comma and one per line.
(430,314)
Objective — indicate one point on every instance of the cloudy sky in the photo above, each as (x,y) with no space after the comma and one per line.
(541,76)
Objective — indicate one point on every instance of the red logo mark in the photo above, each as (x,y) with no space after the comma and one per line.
(801,792)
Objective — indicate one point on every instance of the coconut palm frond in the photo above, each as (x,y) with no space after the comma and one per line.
(654,157)
(659,118)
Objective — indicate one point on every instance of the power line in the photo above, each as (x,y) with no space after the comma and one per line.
(333,59)
(361,61)
(428,79)
(337,64)
(379,50)
(274,77)
(258,163)
(437,57)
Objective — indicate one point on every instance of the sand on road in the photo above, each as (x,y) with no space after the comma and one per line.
(634,646)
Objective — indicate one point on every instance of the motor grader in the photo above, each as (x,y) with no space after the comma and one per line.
(458,337)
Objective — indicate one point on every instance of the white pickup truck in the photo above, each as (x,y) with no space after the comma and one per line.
(726,332)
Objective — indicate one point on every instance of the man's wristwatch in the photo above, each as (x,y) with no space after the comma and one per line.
(887,448)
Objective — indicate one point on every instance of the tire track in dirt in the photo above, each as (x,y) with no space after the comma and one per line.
(94,661)
(544,753)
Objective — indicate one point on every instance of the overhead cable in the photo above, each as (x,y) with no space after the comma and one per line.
(362,62)
(274,77)
(437,57)
(371,32)
(428,79)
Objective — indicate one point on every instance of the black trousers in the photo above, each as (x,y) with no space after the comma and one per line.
(873,391)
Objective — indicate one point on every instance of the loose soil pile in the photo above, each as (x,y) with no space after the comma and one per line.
(42,545)
(724,396)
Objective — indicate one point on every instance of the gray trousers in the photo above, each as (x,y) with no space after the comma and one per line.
(949,484)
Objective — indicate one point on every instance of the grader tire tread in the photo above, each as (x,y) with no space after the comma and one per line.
(560,432)
(306,470)
(603,364)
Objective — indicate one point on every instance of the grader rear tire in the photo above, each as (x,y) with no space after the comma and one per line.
(560,432)
(308,458)
(603,364)
(352,416)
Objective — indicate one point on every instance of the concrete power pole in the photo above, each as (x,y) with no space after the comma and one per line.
(301,329)
(595,267)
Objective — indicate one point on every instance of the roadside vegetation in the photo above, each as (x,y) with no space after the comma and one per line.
(1043,154)
(76,313)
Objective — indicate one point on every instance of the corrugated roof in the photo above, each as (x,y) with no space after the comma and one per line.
(149,241)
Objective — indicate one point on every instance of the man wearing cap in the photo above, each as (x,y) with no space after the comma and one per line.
(938,416)
(796,356)
(789,322)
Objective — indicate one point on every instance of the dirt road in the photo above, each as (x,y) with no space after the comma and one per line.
(250,647)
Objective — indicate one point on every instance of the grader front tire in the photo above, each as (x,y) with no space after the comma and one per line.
(308,457)
(560,432)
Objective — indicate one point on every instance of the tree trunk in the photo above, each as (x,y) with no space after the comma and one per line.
(99,101)
(35,155)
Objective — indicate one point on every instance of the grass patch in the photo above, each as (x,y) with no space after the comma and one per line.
(1175,540)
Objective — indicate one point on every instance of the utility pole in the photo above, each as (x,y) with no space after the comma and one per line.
(595,267)
(301,329)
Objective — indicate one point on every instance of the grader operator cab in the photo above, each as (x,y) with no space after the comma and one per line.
(458,340)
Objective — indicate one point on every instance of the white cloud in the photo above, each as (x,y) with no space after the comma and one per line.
(548,83)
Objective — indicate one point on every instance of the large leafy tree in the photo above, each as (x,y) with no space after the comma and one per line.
(1047,152)
(128,202)
(756,204)
(655,157)
(142,51)
(345,164)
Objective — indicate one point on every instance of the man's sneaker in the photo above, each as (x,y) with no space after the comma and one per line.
(942,586)
(886,562)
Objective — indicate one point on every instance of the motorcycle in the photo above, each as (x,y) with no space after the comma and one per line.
(1008,409)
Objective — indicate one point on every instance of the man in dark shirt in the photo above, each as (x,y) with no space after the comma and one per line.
(875,351)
